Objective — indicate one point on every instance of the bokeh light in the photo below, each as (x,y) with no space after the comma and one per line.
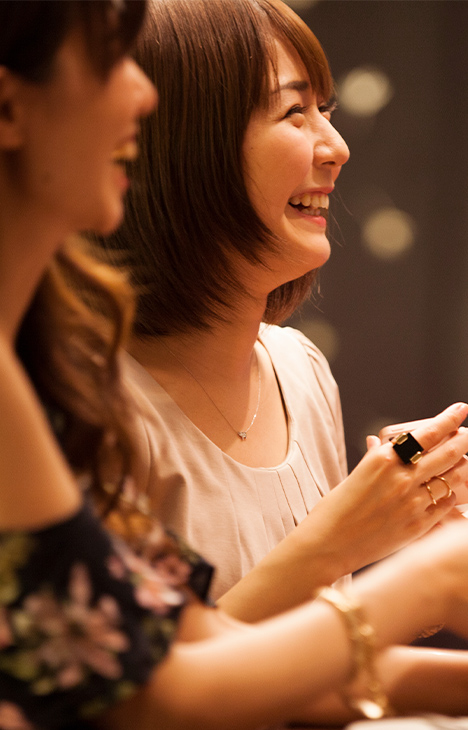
(388,233)
(364,91)
(322,334)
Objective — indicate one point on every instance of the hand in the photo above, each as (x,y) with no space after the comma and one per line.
(421,586)
(439,490)
(441,561)
(383,504)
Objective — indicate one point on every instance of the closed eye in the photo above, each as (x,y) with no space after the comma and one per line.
(296,109)
(329,107)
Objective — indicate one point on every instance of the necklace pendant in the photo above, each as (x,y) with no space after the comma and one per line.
(242,435)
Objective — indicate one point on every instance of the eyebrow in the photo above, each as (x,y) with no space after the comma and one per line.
(292,86)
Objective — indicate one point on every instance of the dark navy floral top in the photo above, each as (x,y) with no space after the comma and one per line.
(84,620)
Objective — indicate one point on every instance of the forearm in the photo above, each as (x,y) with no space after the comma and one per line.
(263,675)
(416,680)
(247,680)
(426,680)
(289,575)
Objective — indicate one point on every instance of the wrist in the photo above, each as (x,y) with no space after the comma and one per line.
(371,700)
(402,596)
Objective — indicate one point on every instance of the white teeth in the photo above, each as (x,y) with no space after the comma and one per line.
(316,200)
(127,151)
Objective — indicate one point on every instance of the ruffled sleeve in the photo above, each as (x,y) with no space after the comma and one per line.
(83,619)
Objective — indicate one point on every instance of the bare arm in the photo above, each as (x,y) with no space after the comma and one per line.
(37,486)
(254,675)
(266,673)
(416,680)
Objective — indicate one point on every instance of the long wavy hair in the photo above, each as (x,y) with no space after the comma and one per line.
(82,309)
(189,218)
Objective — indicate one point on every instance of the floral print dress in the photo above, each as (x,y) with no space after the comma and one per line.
(84,619)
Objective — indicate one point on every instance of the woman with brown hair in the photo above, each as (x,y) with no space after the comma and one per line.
(224,236)
(96,628)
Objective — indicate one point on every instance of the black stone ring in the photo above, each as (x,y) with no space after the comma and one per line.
(408,449)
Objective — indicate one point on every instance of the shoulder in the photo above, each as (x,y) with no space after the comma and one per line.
(122,606)
(292,344)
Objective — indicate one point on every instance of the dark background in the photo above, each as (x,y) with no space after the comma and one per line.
(396,330)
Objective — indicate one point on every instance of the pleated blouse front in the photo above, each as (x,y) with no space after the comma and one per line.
(231,513)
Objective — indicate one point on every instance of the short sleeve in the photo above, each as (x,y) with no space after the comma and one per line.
(329,388)
(83,619)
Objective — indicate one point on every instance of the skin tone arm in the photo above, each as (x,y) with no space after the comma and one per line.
(381,501)
(37,486)
(206,681)
(265,673)
(414,679)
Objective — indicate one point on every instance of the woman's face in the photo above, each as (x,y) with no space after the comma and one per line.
(78,131)
(292,157)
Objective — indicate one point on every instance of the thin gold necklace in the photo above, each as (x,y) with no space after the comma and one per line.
(242,434)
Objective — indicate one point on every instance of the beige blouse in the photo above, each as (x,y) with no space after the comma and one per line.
(231,513)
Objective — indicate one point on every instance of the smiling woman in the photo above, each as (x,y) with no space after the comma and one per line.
(102,615)
(224,235)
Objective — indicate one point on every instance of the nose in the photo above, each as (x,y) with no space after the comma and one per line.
(145,91)
(331,150)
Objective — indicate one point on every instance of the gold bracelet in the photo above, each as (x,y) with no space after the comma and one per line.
(362,637)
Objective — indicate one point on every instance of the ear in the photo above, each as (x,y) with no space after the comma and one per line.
(11,133)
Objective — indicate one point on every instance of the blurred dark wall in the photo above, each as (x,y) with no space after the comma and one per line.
(400,324)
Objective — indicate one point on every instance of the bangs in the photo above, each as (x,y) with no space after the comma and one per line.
(110,28)
(32,32)
(288,28)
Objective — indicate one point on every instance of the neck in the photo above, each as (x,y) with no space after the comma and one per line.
(220,380)
(26,248)
(226,349)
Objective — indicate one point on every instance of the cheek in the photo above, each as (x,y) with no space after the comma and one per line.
(275,167)
(289,161)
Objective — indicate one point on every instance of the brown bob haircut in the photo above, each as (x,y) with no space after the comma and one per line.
(188,210)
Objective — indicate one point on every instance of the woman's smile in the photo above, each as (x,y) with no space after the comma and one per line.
(312,205)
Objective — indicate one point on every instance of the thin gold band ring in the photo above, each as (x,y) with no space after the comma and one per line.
(449,488)
(441,479)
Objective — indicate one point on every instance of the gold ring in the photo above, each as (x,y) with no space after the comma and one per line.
(408,449)
(449,488)
(426,484)
(441,479)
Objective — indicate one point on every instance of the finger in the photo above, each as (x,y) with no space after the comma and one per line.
(443,457)
(445,505)
(453,515)
(458,479)
(373,441)
(442,507)
(441,426)
(438,488)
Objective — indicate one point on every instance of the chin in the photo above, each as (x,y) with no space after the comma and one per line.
(107,224)
(313,260)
